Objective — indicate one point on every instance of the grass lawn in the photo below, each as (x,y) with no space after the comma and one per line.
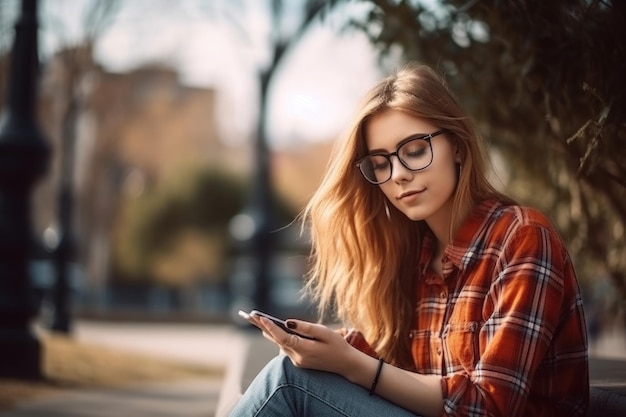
(69,365)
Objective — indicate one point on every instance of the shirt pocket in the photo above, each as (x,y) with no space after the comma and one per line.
(460,346)
(427,351)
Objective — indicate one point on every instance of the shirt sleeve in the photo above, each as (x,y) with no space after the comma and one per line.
(523,309)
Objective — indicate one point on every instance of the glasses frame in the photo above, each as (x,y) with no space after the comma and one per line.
(388,156)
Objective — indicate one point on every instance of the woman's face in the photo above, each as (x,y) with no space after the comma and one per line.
(420,195)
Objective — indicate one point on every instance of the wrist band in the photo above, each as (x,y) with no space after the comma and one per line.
(375,382)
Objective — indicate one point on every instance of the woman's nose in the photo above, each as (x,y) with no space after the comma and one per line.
(399,172)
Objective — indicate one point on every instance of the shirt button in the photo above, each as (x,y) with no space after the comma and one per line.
(443,295)
(439,351)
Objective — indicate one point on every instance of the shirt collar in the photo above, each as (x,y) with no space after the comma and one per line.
(463,249)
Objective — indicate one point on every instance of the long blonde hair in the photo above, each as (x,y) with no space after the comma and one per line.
(364,251)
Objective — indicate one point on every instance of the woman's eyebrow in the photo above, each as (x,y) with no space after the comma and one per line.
(411,136)
(379,150)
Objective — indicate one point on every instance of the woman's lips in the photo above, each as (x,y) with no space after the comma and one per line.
(408,194)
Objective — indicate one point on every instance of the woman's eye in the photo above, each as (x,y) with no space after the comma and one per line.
(416,152)
(415,149)
(379,163)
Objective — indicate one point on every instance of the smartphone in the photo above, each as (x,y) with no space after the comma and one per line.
(280,323)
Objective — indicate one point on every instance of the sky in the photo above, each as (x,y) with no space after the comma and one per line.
(317,89)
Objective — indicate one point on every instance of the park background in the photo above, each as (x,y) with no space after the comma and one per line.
(171,123)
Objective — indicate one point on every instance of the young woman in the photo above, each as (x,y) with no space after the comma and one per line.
(459,301)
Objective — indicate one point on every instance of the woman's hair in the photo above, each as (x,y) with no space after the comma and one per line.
(364,251)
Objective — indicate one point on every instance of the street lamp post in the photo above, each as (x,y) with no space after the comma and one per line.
(252,229)
(24,158)
(64,253)
(262,201)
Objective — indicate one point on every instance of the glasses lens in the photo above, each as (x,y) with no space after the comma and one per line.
(416,154)
(376,168)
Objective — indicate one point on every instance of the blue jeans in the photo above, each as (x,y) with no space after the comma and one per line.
(281,389)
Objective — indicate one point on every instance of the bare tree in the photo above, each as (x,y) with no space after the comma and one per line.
(287,28)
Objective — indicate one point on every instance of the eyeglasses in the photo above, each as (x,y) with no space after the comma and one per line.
(415,153)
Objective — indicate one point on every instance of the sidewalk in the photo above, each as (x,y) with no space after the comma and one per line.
(209,345)
(212,345)
(196,398)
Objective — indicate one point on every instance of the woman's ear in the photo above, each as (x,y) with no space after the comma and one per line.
(458,154)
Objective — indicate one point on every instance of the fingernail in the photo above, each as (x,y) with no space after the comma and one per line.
(291,324)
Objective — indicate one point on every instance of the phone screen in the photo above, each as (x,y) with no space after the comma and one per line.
(279,322)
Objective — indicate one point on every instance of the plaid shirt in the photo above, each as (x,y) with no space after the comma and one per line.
(504,326)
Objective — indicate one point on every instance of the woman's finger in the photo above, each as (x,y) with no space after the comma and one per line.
(292,341)
(316,331)
(278,335)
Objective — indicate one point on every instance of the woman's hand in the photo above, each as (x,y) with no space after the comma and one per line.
(328,352)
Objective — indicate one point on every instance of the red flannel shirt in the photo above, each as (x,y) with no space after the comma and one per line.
(504,326)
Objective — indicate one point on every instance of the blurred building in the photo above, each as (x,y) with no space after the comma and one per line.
(131,131)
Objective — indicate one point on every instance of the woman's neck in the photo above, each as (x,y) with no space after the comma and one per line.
(435,260)
(440,224)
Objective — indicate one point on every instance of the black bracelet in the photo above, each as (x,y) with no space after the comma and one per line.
(375,382)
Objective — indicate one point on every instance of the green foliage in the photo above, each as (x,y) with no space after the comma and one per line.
(544,79)
(151,225)
(177,232)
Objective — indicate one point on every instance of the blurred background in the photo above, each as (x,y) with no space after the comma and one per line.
(186,137)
